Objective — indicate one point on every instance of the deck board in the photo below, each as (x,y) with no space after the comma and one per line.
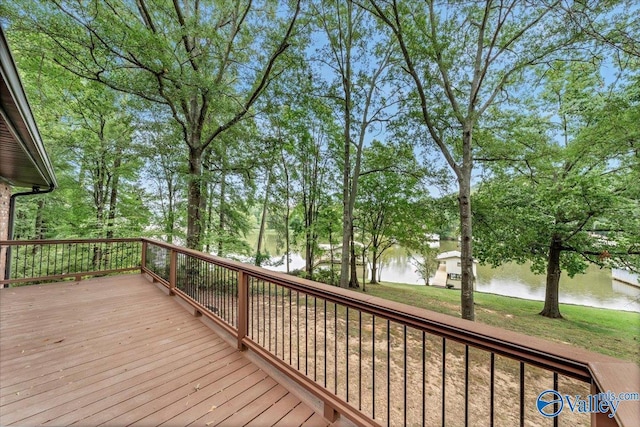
(117,351)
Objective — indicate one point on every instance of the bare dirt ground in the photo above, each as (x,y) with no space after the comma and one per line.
(338,349)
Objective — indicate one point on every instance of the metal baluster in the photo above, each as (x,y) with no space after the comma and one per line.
(444,387)
(424,368)
(346,349)
(388,372)
(405,374)
(555,404)
(521,394)
(466,385)
(373,365)
(492,388)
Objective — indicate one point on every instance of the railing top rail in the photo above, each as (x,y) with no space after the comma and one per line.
(563,358)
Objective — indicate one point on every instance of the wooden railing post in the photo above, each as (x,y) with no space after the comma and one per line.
(173,270)
(600,419)
(143,259)
(243,307)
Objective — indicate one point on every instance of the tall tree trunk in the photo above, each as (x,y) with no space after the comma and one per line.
(309,253)
(347,219)
(331,254)
(551,298)
(170,219)
(346,214)
(113,196)
(374,265)
(194,200)
(209,198)
(364,271)
(353,282)
(287,243)
(287,213)
(223,209)
(466,242)
(263,221)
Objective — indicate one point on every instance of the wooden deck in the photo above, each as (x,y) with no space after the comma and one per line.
(117,351)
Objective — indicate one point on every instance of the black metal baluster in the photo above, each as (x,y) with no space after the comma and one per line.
(335,347)
(55,259)
(276,326)
(346,350)
(466,385)
(48,259)
(197,291)
(218,290)
(315,338)
(555,404)
(388,372)
(225,294)
(521,394)
(283,320)
(325,343)
(211,269)
(40,263)
(33,264)
(306,334)
(264,317)
(359,360)
(424,368)
(298,328)
(373,366)
(444,370)
(405,374)
(269,299)
(75,261)
(290,328)
(492,388)
(68,251)
(251,307)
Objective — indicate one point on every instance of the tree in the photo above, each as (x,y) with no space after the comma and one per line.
(205,62)
(563,200)
(164,171)
(90,133)
(359,58)
(462,58)
(390,183)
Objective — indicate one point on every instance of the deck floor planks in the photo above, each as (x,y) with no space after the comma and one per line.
(297,416)
(276,411)
(254,408)
(55,378)
(123,394)
(174,400)
(80,393)
(97,355)
(116,350)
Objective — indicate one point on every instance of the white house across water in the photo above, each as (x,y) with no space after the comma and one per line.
(449,273)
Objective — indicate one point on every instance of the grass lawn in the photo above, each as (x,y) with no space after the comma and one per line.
(611,332)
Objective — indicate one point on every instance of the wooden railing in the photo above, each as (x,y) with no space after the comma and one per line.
(377,362)
(28,261)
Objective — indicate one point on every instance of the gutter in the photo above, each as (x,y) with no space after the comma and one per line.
(12,215)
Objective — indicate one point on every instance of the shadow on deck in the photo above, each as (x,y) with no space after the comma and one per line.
(118,351)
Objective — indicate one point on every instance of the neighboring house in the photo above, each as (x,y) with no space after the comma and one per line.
(25,168)
(449,271)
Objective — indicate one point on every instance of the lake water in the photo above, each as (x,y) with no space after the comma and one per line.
(595,288)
